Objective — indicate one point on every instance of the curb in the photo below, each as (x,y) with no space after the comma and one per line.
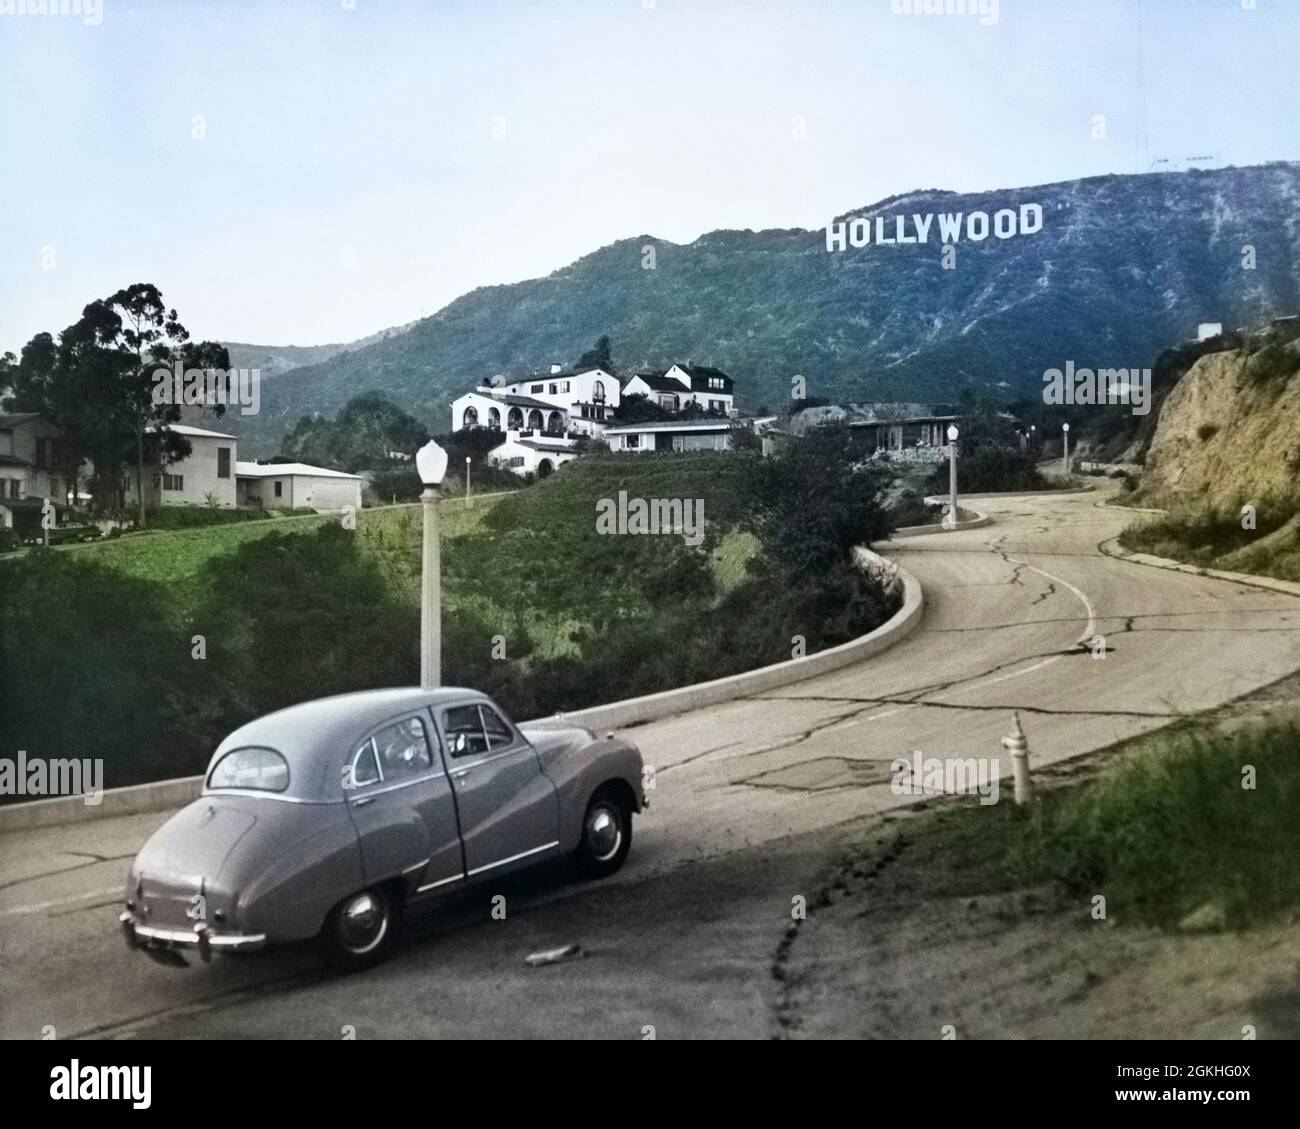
(1021,494)
(1112,548)
(977,522)
(166,794)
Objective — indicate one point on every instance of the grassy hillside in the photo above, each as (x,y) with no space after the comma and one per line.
(178,558)
(1122,266)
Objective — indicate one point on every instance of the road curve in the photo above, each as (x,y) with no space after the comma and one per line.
(1006,608)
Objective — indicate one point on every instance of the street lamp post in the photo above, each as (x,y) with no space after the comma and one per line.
(1065,447)
(431,462)
(952,476)
(466,476)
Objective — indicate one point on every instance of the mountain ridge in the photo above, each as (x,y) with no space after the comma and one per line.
(1123,265)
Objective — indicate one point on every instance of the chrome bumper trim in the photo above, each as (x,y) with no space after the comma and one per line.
(203,939)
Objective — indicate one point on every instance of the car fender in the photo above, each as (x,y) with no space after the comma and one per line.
(579,763)
(288,881)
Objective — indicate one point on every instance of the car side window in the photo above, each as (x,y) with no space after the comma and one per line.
(403,750)
(499,734)
(465,735)
(365,769)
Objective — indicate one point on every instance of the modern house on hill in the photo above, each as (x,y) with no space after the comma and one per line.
(211,475)
(674,435)
(206,476)
(296,486)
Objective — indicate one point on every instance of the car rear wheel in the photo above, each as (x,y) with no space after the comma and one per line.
(606,835)
(361,930)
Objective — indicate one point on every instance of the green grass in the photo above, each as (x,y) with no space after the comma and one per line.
(1173,829)
(1161,833)
(1212,536)
(177,557)
(729,559)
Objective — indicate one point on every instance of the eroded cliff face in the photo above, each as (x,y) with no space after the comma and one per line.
(1225,436)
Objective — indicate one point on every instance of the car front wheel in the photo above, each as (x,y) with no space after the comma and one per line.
(361,930)
(606,835)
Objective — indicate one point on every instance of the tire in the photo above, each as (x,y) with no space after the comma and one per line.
(606,836)
(361,931)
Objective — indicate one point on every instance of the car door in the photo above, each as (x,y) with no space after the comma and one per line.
(400,800)
(509,809)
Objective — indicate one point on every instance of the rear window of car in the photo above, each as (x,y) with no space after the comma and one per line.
(259,770)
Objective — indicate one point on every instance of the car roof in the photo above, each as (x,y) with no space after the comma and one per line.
(318,737)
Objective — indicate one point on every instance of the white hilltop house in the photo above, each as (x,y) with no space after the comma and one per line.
(536,454)
(543,416)
(708,388)
(556,404)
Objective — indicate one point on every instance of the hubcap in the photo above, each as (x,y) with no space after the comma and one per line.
(363,922)
(604,833)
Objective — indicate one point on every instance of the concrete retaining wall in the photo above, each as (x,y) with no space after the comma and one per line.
(159,796)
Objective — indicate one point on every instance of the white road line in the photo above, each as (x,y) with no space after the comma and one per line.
(40,907)
(1003,677)
(1091,629)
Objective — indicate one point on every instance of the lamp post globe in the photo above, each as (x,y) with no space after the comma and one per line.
(431,463)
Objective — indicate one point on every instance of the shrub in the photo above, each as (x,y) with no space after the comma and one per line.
(194,517)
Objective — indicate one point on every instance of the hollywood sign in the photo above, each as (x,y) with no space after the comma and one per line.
(977,226)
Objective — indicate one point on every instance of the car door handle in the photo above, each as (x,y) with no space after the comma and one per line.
(363,801)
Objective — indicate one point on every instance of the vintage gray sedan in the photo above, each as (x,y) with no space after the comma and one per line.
(328,818)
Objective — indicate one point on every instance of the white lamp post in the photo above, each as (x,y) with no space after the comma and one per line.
(952,476)
(466,476)
(431,462)
(1065,446)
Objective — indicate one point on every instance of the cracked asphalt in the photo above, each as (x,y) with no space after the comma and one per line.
(744,794)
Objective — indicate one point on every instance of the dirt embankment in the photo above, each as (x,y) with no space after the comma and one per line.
(1228,432)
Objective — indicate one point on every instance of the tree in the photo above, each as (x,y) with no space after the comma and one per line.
(814,502)
(146,335)
(639,408)
(97,385)
(598,356)
(368,428)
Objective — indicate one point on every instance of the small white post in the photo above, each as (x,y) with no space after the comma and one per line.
(1018,744)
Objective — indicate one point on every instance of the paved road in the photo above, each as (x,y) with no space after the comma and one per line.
(1006,608)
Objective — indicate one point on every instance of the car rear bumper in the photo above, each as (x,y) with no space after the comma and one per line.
(201,939)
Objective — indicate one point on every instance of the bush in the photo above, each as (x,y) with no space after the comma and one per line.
(1199,534)
(103,662)
(1275,362)
(194,517)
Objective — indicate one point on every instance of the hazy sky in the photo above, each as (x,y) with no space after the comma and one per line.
(370,136)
